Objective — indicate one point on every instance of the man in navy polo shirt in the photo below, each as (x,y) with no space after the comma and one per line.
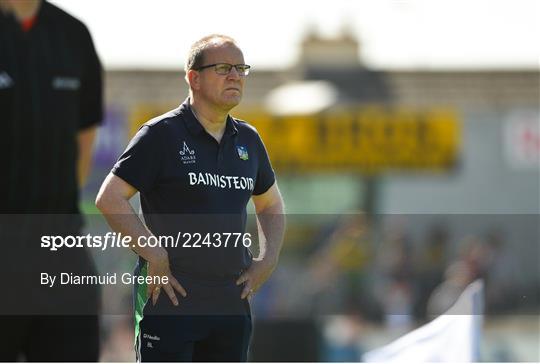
(196,169)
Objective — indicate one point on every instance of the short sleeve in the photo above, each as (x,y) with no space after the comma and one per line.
(91,109)
(265,174)
(139,164)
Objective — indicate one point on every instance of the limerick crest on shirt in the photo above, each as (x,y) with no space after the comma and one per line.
(242,152)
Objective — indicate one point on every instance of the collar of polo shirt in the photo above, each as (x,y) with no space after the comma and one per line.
(196,128)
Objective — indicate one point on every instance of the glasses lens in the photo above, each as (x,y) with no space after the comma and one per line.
(223,68)
(243,69)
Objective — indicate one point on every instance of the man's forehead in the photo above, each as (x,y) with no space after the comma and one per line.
(223,50)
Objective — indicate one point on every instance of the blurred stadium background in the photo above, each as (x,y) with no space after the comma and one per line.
(402,186)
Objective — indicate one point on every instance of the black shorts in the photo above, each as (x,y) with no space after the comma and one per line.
(211,324)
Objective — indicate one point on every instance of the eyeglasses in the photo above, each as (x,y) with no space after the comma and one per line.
(226,68)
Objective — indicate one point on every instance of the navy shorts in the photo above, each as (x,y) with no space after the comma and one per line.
(211,324)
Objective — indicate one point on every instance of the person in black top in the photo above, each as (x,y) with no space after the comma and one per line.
(196,169)
(50,106)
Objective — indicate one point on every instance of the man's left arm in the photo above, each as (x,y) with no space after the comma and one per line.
(269,208)
(85,141)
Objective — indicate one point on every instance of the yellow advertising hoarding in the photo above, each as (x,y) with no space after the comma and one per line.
(367,140)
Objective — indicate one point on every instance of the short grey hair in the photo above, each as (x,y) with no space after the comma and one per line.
(196,52)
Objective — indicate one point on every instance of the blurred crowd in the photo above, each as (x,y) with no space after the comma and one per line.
(361,272)
(377,271)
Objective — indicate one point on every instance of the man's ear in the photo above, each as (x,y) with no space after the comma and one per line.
(193,79)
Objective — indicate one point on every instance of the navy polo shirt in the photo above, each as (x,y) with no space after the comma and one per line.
(190,183)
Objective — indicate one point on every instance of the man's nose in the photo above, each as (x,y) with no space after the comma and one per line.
(234,74)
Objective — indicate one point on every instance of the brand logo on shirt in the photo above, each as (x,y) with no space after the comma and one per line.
(187,156)
(151,337)
(242,152)
(65,83)
(5,80)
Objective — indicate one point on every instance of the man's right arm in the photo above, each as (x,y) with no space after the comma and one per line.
(113,202)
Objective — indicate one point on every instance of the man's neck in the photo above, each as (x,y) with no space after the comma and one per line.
(213,121)
(25,9)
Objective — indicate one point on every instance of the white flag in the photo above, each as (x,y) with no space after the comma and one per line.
(452,337)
